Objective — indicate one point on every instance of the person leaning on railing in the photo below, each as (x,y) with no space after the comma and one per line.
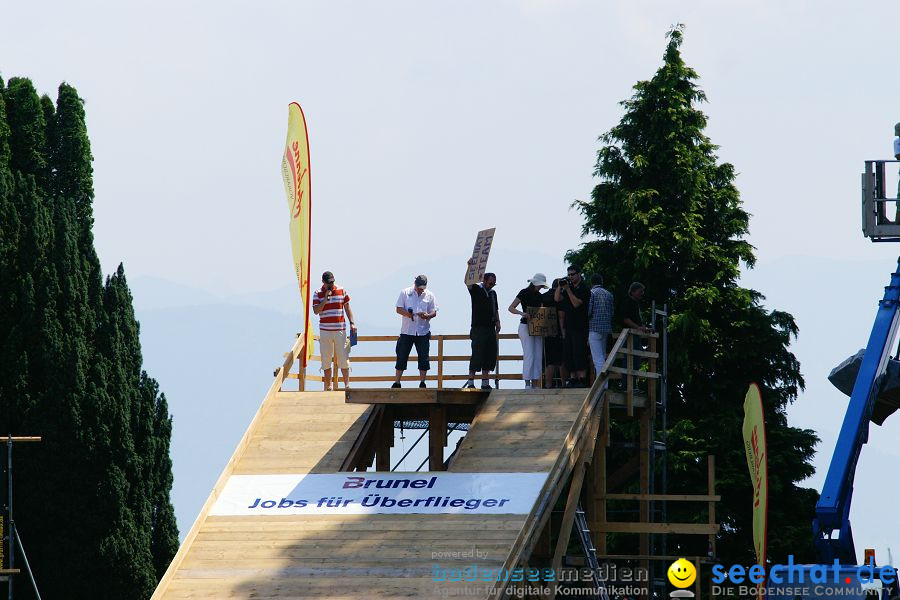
(632,317)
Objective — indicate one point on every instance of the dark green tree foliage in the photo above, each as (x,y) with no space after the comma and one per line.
(667,213)
(28,131)
(92,500)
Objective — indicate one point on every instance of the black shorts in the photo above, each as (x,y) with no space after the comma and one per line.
(576,350)
(553,351)
(484,348)
(404,346)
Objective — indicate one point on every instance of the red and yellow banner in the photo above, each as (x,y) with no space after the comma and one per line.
(295,171)
(757,461)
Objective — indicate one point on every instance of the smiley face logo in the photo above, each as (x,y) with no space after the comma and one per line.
(682,573)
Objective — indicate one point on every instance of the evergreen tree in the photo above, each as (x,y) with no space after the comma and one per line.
(28,131)
(92,501)
(72,155)
(163,530)
(666,213)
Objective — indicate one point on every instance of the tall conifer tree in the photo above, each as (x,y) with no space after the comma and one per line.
(93,499)
(666,212)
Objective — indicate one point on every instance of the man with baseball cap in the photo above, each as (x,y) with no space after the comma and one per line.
(330,302)
(418,306)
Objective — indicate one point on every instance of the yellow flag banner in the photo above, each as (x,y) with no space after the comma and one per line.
(757,461)
(295,171)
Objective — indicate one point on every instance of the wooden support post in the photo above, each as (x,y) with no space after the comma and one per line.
(651,384)
(568,520)
(600,483)
(711,491)
(629,378)
(440,362)
(385,440)
(301,357)
(437,437)
(646,439)
(697,580)
(542,549)
(360,456)
(302,376)
(497,371)
(334,374)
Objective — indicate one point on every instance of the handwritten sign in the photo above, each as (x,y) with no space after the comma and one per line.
(480,253)
(542,321)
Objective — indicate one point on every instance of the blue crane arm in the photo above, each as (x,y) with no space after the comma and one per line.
(833,507)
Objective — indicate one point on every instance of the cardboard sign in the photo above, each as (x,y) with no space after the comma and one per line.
(379,493)
(481,251)
(543,321)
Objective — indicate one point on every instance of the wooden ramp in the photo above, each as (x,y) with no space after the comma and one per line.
(378,555)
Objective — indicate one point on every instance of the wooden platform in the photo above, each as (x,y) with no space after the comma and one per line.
(415,396)
(366,556)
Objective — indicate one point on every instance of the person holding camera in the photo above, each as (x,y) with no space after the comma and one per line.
(418,306)
(330,302)
(573,297)
(553,345)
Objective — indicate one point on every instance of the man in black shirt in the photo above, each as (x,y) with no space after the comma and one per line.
(573,296)
(553,346)
(632,318)
(485,327)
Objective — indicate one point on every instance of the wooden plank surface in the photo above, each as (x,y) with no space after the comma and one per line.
(364,556)
(519,431)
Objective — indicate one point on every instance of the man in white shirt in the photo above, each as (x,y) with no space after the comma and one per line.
(418,307)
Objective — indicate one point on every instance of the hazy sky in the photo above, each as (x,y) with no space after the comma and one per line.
(431,120)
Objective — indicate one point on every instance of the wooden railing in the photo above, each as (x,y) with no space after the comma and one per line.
(439,362)
(625,351)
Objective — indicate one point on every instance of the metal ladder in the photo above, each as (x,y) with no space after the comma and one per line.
(590,553)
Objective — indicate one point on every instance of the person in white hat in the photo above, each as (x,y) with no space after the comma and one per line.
(532,345)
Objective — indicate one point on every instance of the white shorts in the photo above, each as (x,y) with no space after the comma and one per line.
(333,344)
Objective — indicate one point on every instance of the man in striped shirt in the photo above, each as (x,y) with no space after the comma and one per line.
(329,302)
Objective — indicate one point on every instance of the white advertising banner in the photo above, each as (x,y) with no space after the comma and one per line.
(355,493)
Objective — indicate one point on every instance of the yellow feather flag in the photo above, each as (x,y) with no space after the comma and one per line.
(757,461)
(295,171)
